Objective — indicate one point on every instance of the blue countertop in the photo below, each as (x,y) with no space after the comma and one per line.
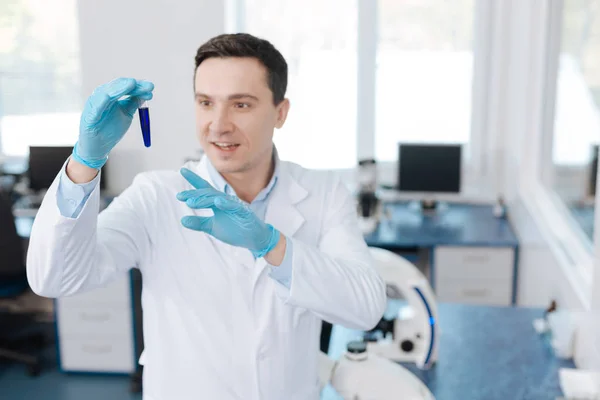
(453,224)
(485,353)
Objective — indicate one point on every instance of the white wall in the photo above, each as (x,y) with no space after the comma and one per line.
(154,40)
(542,275)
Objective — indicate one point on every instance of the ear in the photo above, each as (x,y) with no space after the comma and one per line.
(282,112)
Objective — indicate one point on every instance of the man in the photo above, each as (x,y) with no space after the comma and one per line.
(241,260)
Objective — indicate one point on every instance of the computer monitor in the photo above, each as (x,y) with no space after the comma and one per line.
(429,168)
(45,163)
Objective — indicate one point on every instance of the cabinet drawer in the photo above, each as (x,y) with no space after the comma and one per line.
(117,293)
(474,263)
(95,321)
(475,292)
(96,355)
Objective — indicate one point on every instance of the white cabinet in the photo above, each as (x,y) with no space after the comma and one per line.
(474,275)
(95,330)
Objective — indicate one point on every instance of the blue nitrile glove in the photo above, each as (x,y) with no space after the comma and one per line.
(233,221)
(106,117)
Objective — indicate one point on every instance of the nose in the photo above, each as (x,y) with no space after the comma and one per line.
(220,121)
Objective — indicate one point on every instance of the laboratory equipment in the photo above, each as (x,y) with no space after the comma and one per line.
(145,123)
(369,205)
(411,333)
(499,209)
(429,169)
(577,384)
(360,374)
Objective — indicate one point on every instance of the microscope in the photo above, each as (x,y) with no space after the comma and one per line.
(411,332)
(361,374)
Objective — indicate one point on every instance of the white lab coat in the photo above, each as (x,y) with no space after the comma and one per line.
(216,326)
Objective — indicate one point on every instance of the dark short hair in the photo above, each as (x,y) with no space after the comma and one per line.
(246,45)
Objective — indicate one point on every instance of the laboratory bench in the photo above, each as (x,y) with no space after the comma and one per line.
(469,255)
(485,353)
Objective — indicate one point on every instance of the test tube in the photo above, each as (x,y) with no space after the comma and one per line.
(145,123)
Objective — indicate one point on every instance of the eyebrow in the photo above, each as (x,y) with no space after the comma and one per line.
(235,96)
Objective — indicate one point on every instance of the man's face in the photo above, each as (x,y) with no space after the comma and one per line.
(235,114)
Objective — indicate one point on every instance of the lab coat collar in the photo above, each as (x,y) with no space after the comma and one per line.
(221,184)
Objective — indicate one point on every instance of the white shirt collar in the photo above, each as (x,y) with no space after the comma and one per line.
(222,185)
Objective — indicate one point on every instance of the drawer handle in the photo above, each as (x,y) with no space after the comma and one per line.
(475,292)
(97,349)
(94,317)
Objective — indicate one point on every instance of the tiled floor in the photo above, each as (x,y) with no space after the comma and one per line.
(53,385)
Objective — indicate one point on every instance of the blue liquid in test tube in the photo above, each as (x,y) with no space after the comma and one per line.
(145,123)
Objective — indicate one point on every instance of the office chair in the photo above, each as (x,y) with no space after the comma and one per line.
(13,282)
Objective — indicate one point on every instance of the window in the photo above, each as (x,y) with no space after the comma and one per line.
(417,89)
(40,85)
(577,109)
(318,40)
(424,73)
(574,136)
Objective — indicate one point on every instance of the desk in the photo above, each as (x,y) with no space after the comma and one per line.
(485,353)
(458,225)
(472,255)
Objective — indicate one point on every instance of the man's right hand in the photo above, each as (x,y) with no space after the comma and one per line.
(106,117)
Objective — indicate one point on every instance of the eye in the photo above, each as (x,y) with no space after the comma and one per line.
(204,103)
(242,105)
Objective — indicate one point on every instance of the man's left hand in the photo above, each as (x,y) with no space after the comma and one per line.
(233,221)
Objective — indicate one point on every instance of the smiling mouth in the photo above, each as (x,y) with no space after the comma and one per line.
(225,146)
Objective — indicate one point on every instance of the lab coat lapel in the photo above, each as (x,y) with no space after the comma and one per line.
(281,211)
